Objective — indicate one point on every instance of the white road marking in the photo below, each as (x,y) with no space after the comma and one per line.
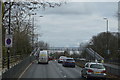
(65,76)
(24,71)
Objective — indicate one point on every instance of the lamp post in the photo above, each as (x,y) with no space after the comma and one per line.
(33,25)
(119,27)
(107,34)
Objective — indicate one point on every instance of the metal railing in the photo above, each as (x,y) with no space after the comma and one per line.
(15,71)
(13,60)
(94,54)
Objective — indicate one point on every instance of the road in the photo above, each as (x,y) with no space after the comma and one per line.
(51,70)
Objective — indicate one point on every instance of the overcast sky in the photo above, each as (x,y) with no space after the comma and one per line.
(75,22)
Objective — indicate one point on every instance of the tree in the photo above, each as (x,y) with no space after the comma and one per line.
(66,53)
(43,45)
(100,44)
(21,25)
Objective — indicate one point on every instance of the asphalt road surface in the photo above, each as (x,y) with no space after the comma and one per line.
(52,70)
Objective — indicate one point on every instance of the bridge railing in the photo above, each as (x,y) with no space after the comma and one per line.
(94,54)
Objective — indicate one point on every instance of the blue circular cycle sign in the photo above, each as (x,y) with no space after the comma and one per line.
(8,41)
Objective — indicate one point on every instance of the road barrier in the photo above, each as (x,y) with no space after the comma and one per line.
(113,70)
(16,70)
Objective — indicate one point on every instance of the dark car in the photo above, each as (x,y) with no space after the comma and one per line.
(69,62)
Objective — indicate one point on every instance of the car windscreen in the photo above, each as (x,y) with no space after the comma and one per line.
(98,66)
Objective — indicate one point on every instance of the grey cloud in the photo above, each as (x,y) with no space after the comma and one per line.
(76,22)
(73,8)
(83,8)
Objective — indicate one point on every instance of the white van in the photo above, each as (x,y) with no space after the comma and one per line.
(43,57)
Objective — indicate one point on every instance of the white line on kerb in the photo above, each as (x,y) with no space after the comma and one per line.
(24,71)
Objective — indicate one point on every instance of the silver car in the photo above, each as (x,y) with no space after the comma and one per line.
(60,60)
(93,70)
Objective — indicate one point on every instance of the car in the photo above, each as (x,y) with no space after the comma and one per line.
(94,70)
(82,59)
(60,60)
(50,58)
(43,57)
(69,62)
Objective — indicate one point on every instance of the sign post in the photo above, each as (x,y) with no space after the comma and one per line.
(8,44)
(8,40)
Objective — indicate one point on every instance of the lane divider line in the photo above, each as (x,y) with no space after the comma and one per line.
(24,71)
(64,76)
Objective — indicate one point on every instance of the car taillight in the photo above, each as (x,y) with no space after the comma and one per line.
(103,71)
(89,70)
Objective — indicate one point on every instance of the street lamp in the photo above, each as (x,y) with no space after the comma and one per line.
(107,33)
(33,19)
(106,23)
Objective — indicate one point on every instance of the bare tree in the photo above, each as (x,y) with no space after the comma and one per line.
(21,24)
(100,44)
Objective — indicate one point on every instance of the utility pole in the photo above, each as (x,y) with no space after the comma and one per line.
(119,27)
(107,35)
(118,51)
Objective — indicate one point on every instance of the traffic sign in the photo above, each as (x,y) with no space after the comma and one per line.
(8,41)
